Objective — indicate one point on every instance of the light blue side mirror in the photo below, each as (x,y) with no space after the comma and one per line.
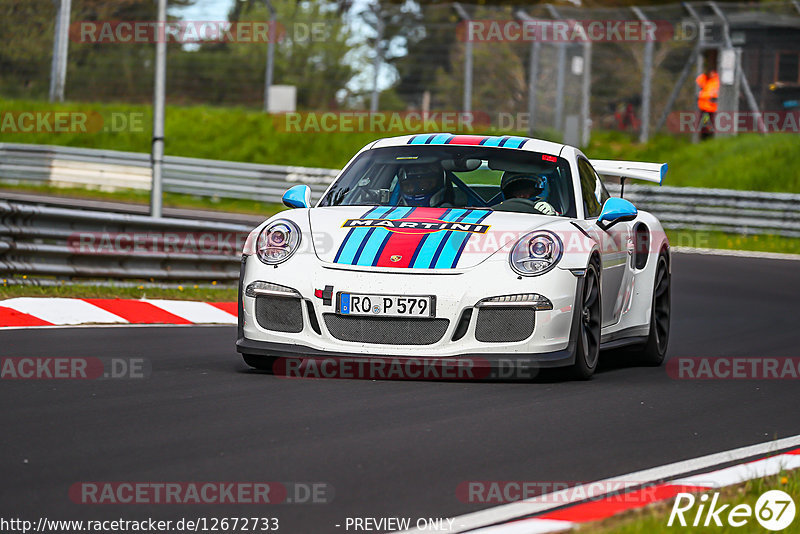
(616,210)
(298,196)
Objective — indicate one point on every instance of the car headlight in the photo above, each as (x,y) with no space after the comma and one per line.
(536,253)
(277,242)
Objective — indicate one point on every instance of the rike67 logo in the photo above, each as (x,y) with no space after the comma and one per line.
(774,510)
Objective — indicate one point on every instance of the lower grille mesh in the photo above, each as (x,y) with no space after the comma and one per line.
(280,314)
(386,330)
(498,324)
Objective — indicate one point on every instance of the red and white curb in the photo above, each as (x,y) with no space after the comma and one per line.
(566,509)
(33,311)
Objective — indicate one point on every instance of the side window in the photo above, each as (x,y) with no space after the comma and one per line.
(600,189)
(589,189)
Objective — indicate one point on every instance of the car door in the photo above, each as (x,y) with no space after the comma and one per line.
(616,245)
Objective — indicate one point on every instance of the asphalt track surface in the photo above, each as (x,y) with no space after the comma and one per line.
(389,448)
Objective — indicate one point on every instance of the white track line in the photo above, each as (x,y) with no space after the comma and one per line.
(542,503)
(528,526)
(62,311)
(736,253)
(744,472)
(196,312)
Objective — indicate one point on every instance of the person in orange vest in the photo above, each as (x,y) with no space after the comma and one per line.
(707,100)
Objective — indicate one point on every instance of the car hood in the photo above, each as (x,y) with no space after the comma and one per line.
(415,238)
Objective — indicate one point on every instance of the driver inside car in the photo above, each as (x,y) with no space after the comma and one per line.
(522,192)
(424,185)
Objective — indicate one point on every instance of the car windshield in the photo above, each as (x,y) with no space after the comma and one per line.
(456,177)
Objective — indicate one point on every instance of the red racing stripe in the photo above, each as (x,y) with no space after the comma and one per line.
(230,307)
(11,317)
(614,504)
(137,311)
(404,244)
(466,139)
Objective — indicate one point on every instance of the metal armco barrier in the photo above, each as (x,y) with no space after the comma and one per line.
(70,243)
(724,210)
(109,170)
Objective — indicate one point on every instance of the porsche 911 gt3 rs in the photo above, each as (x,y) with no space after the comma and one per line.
(448,246)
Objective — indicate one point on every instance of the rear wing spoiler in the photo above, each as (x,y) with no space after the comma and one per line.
(638,170)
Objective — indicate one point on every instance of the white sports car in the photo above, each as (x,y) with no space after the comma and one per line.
(448,246)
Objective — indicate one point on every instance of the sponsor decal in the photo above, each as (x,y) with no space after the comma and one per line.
(423,226)
(774,510)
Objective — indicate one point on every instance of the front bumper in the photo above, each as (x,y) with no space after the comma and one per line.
(551,343)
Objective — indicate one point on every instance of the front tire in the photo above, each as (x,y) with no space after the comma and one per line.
(587,350)
(655,350)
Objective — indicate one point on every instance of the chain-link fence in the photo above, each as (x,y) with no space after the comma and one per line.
(526,67)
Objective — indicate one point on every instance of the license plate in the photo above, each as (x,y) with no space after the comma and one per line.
(386,305)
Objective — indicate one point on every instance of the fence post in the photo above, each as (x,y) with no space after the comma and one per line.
(741,79)
(561,60)
(467,59)
(157,154)
(694,56)
(647,75)
(586,89)
(730,76)
(58,69)
(272,35)
(376,62)
(533,75)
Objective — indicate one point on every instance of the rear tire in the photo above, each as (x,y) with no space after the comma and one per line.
(262,363)
(587,349)
(654,351)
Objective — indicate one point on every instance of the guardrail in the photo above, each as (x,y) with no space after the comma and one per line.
(109,170)
(70,243)
(724,210)
(745,212)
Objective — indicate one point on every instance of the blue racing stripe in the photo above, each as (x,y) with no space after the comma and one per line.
(493,141)
(449,256)
(353,242)
(422,244)
(426,254)
(515,142)
(420,139)
(446,239)
(373,243)
(349,234)
(440,139)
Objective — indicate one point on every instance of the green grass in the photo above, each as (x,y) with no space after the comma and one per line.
(749,161)
(721,240)
(233,134)
(653,519)
(183,292)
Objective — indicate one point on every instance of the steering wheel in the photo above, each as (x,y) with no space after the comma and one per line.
(526,205)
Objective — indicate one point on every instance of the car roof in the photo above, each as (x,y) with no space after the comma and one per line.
(510,142)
